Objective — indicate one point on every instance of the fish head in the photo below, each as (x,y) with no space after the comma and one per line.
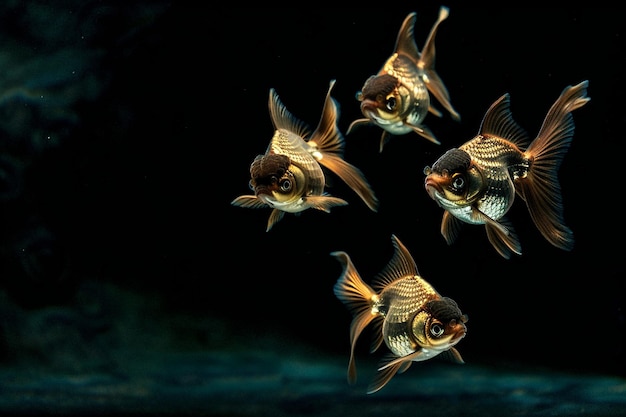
(453,180)
(384,99)
(439,325)
(275,180)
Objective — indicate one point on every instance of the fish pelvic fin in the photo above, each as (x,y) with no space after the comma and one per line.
(275,216)
(359,298)
(352,176)
(503,237)
(541,189)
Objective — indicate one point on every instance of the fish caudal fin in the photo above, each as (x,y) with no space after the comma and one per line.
(358,298)
(541,189)
(427,61)
(352,176)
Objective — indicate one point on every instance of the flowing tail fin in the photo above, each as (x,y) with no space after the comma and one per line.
(358,298)
(541,189)
(427,61)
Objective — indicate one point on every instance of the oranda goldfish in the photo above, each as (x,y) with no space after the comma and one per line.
(477,182)
(289,177)
(397,99)
(411,317)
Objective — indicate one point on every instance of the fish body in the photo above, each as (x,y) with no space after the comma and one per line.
(414,321)
(477,182)
(398,98)
(290,177)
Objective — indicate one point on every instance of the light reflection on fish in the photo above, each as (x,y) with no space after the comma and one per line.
(410,316)
(397,99)
(289,177)
(477,182)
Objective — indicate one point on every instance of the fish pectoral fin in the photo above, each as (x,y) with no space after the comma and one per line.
(357,123)
(503,238)
(450,227)
(425,132)
(275,217)
(248,201)
(324,202)
(352,176)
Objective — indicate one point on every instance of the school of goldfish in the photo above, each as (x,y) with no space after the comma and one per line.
(474,183)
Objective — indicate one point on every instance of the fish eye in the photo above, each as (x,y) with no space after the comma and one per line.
(458,182)
(285,185)
(390,103)
(359,95)
(251,184)
(437,329)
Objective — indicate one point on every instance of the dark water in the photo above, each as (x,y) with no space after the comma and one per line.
(131,285)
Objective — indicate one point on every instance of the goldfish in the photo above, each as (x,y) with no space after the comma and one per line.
(397,99)
(289,177)
(477,182)
(411,317)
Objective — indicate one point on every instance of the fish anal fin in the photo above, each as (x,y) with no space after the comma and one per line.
(426,133)
(503,238)
(384,375)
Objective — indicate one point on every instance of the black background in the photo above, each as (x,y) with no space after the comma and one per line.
(139,194)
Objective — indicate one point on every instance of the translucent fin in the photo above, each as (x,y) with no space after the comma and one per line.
(541,189)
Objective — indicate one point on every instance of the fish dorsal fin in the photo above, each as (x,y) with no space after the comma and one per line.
(401,266)
(405,43)
(498,121)
(283,119)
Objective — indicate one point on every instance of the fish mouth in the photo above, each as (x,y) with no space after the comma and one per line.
(372,111)
(266,198)
(433,188)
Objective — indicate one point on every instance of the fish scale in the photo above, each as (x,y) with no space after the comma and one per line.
(288,143)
